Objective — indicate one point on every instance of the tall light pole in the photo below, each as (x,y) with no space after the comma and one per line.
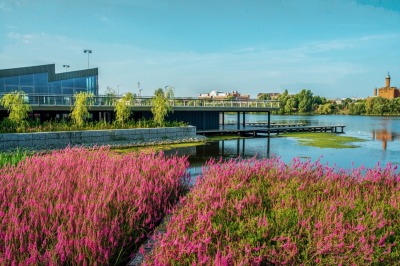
(140,91)
(118,89)
(66,66)
(88,52)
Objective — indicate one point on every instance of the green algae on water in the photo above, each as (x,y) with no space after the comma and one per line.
(325,140)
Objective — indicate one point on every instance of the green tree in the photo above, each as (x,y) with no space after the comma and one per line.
(110,96)
(305,100)
(264,96)
(290,105)
(161,104)
(80,112)
(283,99)
(17,106)
(123,108)
(380,106)
(325,109)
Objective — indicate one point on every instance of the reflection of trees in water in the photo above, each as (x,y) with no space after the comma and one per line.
(384,136)
(224,149)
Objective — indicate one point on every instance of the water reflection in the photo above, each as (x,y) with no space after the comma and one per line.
(384,136)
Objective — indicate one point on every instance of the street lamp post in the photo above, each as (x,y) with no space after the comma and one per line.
(66,66)
(87,52)
(140,91)
(118,89)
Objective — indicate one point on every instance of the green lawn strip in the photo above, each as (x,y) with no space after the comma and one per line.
(160,147)
(324,140)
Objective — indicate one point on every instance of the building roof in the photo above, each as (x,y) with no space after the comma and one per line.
(50,69)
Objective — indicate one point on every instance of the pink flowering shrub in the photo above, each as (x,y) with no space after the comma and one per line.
(84,206)
(269,213)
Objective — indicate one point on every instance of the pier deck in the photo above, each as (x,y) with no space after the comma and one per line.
(273,129)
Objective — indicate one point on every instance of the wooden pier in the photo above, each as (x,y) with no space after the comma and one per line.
(273,129)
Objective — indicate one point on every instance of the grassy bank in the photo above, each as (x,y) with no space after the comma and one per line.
(324,140)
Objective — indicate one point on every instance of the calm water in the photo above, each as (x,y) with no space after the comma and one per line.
(382,135)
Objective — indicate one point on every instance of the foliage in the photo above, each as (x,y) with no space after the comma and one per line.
(250,212)
(264,96)
(17,107)
(161,104)
(80,112)
(376,106)
(325,109)
(84,206)
(305,101)
(110,96)
(12,158)
(123,108)
(49,126)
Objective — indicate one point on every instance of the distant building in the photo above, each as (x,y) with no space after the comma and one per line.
(387,91)
(220,95)
(270,95)
(43,80)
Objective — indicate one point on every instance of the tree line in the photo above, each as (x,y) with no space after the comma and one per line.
(305,102)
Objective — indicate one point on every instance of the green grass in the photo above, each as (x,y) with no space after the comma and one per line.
(12,158)
(151,148)
(324,140)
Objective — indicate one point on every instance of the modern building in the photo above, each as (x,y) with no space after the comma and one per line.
(42,80)
(387,91)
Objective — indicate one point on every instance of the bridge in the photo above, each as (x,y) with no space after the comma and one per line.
(205,114)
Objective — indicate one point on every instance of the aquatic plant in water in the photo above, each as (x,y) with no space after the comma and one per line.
(266,212)
(84,206)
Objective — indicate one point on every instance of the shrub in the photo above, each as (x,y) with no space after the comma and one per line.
(269,213)
(84,206)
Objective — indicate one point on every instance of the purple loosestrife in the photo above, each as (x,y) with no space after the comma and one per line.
(256,212)
(84,206)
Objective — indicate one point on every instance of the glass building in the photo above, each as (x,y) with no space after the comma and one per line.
(42,80)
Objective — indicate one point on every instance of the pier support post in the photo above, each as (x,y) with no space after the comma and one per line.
(238,120)
(244,119)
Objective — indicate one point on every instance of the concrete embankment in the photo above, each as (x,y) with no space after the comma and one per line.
(116,137)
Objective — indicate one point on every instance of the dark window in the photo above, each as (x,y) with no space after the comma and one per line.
(10,88)
(1,85)
(68,83)
(80,83)
(27,89)
(41,89)
(55,90)
(26,80)
(68,91)
(41,79)
(11,81)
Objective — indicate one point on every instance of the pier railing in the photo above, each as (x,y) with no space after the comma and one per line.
(63,100)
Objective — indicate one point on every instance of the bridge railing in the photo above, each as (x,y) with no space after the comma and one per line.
(104,100)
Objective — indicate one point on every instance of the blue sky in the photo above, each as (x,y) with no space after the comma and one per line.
(335,48)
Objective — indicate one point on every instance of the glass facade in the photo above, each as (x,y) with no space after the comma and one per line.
(39,84)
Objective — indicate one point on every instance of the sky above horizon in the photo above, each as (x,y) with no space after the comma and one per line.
(336,48)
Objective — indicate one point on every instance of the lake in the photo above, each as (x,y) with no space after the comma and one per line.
(381,135)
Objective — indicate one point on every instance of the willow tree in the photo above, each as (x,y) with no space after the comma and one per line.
(123,108)
(161,105)
(80,112)
(17,106)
